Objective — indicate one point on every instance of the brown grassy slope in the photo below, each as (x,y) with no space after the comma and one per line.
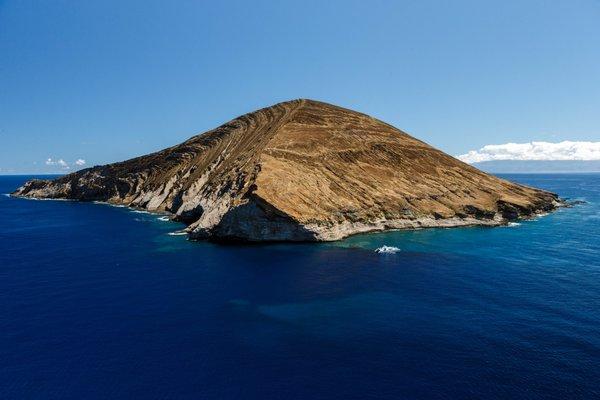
(330,163)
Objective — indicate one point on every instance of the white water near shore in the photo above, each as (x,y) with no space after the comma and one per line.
(177,233)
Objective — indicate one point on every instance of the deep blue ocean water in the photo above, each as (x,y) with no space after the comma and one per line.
(100,302)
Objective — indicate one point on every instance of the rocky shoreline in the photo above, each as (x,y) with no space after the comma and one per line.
(316,232)
(345,229)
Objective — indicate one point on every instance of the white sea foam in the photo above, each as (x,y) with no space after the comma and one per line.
(106,203)
(513,224)
(177,233)
(140,211)
(6,194)
(45,199)
(164,218)
(387,250)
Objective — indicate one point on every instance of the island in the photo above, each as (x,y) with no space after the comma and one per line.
(302,170)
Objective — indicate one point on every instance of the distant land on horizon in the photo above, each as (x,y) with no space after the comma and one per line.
(538,166)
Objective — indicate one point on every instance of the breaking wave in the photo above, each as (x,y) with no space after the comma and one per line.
(45,199)
(177,233)
(106,203)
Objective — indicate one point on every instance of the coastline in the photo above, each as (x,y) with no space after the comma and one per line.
(334,232)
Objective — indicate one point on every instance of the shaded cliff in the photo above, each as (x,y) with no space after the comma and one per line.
(302,170)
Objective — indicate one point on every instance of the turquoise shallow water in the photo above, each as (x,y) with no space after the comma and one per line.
(101,302)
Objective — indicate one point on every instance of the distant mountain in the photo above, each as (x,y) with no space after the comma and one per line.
(529,166)
(302,170)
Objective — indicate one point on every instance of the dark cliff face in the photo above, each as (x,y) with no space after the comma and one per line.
(302,170)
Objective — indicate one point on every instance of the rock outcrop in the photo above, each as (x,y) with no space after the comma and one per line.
(302,171)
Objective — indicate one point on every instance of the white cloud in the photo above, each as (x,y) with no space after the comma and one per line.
(63,164)
(566,150)
(60,162)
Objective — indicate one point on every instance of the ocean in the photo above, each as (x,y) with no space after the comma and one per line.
(100,302)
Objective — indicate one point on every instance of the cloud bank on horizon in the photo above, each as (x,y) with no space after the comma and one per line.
(535,151)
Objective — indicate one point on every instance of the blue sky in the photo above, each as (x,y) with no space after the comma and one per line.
(103,81)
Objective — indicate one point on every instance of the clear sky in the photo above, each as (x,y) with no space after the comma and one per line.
(103,81)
